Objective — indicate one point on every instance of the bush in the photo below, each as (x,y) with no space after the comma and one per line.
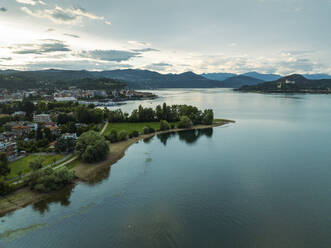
(185,122)
(4,188)
(36,164)
(112,137)
(92,147)
(172,126)
(148,130)
(134,133)
(50,180)
(4,164)
(123,135)
(164,125)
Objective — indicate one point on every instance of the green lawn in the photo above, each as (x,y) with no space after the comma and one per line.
(130,126)
(23,163)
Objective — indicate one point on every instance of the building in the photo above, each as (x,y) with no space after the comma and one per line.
(42,118)
(289,82)
(19,114)
(21,130)
(69,136)
(10,148)
(53,128)
(66,99)
(8,144)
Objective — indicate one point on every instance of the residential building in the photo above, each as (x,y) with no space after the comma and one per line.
(42,118)
(70,136)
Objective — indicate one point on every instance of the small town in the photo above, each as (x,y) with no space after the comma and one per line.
(74,94)
(42,124)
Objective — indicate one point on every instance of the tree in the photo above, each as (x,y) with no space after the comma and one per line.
(123,135)
(50,179)
(48,134)
(185,122)
(36,164)
(41,107)
(92,147)
(4,167)
(39,132)
(65,145)
(65,118)
(28,107)
(164,125)
(158,112)
(207,117)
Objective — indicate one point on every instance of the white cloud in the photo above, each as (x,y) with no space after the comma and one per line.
(31,2)
(60,15)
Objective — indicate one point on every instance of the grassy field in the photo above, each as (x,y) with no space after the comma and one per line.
(23,163)
(129,126)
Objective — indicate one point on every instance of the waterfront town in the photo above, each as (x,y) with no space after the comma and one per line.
(33,120)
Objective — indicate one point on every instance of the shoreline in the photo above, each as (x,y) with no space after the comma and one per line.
(87,172)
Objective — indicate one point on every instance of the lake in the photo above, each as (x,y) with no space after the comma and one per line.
(263,182)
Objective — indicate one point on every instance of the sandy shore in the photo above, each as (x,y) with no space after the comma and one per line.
(85,172)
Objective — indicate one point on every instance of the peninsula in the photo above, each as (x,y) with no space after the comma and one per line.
(291,84)
(93,152)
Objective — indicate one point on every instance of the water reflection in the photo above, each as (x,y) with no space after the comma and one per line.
(99,175)
(62,197)
(189,136)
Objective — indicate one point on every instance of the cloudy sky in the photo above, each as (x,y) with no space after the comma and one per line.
(270,36)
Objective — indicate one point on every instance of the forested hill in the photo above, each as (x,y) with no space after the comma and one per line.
(133,78)
(22,81)
(291,84)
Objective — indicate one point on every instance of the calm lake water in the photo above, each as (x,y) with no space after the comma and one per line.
(264,182)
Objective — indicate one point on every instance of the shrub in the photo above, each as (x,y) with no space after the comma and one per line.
(112,137)
(172,126)
(50,180)
(185,122)
(148,130)
(164,125)
(36,164)
(123,135)
(4,164)
(4,188)
(134,133)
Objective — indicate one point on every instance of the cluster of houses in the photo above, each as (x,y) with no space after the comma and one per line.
(73,94)
(15,130)
(76,93)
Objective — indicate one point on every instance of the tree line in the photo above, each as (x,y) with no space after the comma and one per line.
(171,113)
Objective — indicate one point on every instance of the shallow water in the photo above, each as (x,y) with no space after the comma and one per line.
(262,182)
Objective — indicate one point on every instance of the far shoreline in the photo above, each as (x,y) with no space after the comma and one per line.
(87,172)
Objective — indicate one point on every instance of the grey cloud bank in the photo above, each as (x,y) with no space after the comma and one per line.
(271,36)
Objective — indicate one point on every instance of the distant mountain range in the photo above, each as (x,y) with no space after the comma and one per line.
(145,79)
(261,76)
(291,84)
